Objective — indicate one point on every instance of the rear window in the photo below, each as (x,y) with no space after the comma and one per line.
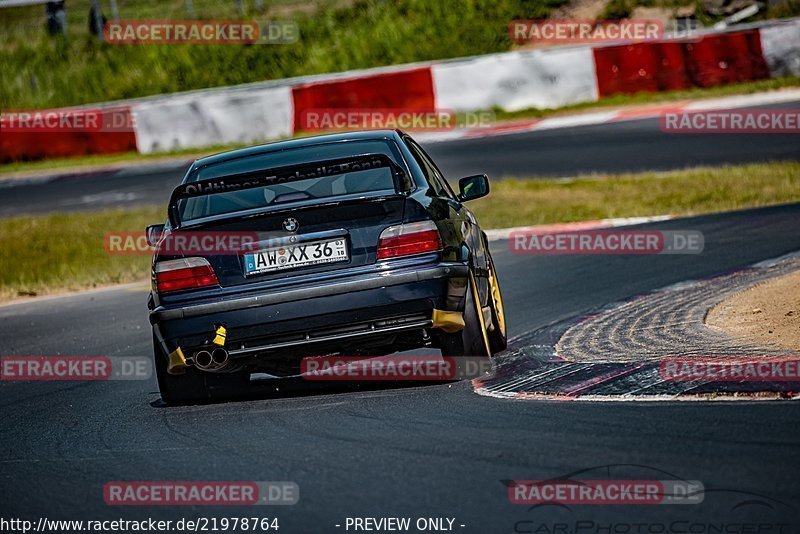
(379,180)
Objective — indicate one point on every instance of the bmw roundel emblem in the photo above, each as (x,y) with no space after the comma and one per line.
(291,224)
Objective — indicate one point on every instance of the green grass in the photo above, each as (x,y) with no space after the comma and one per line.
(515,202)
(56,253)
(40,71)
(64,252)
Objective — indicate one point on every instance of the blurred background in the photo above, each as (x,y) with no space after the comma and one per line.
(49,57)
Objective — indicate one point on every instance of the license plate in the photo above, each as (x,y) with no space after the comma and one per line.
(298,255)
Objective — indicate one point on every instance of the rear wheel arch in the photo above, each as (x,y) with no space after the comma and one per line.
(472,340)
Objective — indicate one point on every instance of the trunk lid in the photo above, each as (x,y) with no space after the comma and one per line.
(355,223)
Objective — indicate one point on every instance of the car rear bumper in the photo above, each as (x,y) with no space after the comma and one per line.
(351,308)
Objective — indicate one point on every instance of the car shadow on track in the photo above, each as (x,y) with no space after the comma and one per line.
(295,387)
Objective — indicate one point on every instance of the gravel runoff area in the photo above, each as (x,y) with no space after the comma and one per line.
(767,313)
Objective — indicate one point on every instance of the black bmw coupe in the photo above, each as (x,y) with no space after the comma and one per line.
(360,247)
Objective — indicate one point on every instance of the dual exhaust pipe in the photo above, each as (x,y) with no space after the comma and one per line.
(211,360)
(216,358)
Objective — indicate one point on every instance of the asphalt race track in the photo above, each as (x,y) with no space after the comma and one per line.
(421,451)
(634,145)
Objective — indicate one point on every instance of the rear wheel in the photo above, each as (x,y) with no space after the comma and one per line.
(497,333)
(178,389)
(472,339)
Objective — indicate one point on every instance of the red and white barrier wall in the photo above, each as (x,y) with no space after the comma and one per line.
(663,66)
(41,143)
(781,47)
(542,78)
(207,118)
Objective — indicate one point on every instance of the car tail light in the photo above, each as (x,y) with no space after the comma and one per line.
(185,273)
(407,239)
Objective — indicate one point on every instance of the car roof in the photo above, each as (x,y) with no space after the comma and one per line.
(293,143)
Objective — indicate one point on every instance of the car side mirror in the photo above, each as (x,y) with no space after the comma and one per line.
(473,187)
(153,234)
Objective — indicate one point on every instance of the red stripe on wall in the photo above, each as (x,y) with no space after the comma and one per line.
(652,67)
(727,58)
(644,67)
(40,144)
(407,89)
